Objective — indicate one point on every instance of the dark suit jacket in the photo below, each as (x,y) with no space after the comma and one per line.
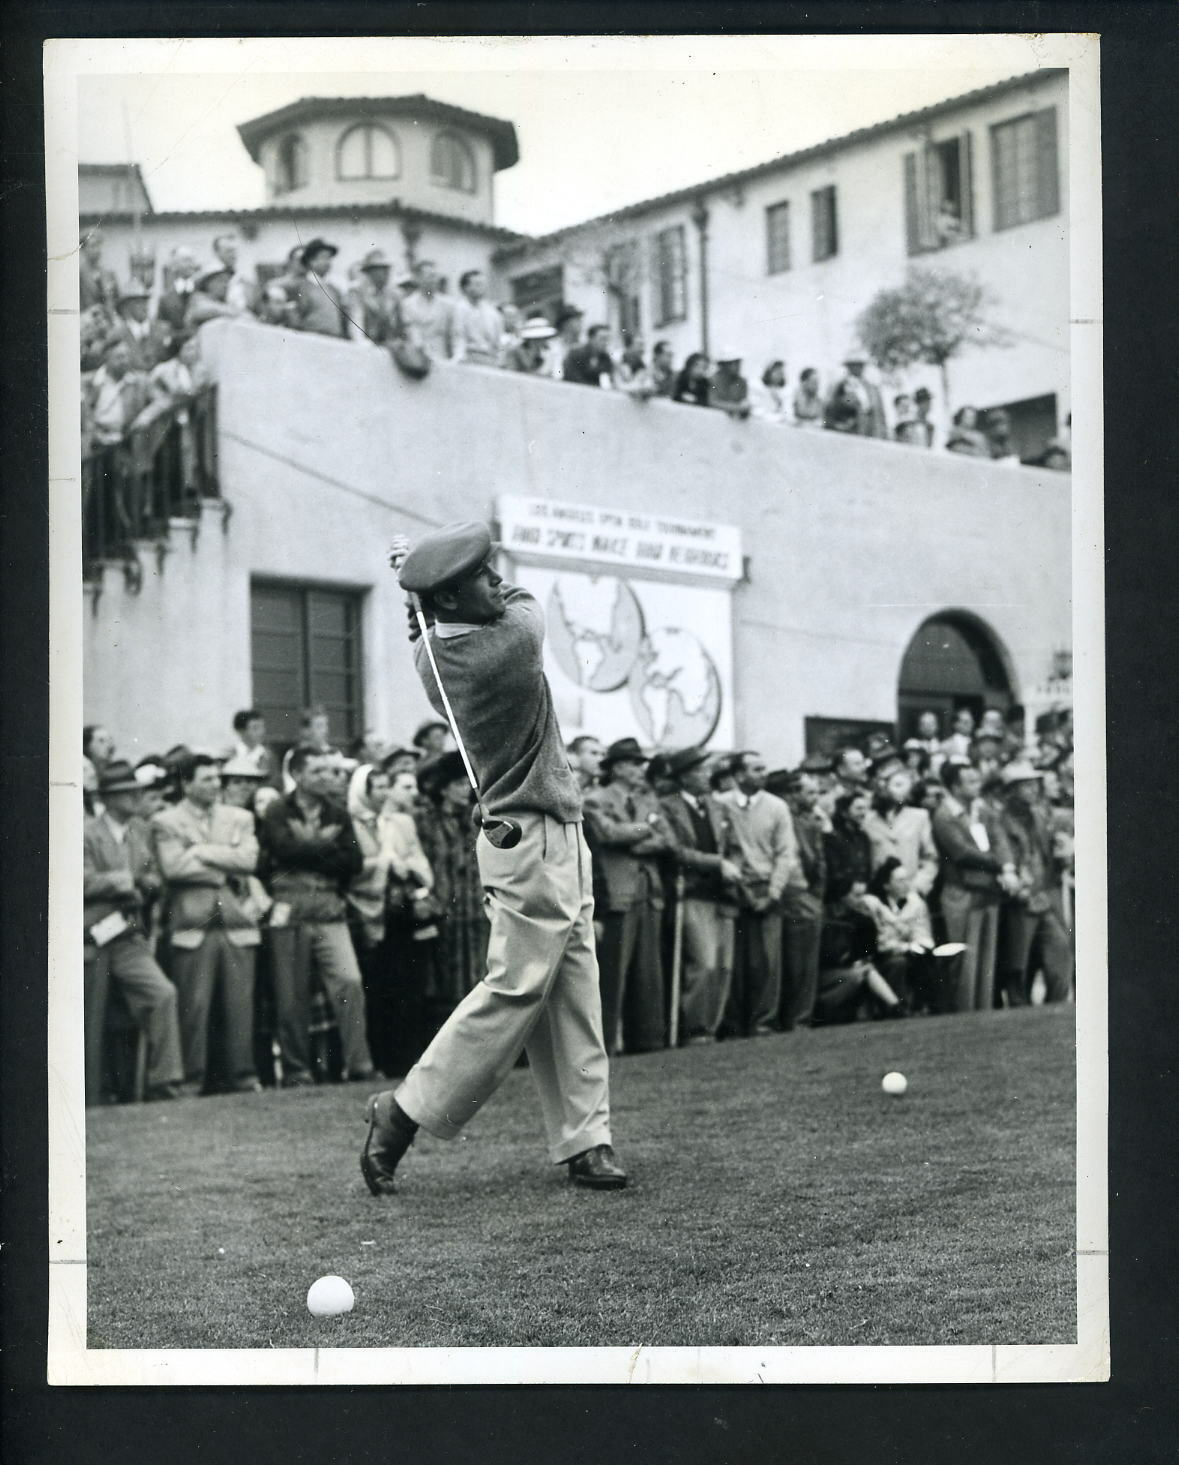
(309,876)
(701,867)
(964,865)
(629,850)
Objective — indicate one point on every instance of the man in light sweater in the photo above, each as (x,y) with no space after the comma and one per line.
(770,862)
(540,992)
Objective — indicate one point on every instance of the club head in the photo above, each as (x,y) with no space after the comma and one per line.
(503,833)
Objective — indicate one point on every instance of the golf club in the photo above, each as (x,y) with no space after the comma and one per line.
(503,833)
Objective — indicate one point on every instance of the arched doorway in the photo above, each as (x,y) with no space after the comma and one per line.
(954,660)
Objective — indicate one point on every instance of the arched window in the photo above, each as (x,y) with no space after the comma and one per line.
(367,151)
(451,163)
(290,170)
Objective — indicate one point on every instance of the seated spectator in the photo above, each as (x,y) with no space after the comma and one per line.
(115,860)
(663,374)
(478,325)
(904,934)
(590,365)
(241,293)
(808,400)
(115,396)
(147,340)
(729,390)
(531,353)
(373,303)
(997,429)
(692,386)
(770,402)
(209,299)
(319,306)
(965,437)
(427,315)
(179,276)
(848,978)
(206,851)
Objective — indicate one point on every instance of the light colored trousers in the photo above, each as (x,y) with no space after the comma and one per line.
(973,917)
(540,995)
(708,965)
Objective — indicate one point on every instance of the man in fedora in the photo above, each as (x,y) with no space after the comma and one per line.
(540,992)
(115,947)
(147,340)
(373,303)
(531,355)
(210,298)
(319,306)
(206,851)
(704,846)
(1033,915)
(855,404)
(240,781)
(632,837)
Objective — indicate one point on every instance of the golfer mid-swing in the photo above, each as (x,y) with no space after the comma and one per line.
(540,993)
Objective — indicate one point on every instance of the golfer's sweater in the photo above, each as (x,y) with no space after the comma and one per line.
(495,680)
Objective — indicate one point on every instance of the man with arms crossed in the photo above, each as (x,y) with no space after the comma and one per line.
(540,993)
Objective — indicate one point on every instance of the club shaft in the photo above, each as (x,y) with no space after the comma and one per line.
(458,737)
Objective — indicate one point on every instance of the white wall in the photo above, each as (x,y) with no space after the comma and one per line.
(327,451)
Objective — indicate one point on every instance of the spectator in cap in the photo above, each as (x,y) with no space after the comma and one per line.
(210,299)
(540,992)
(590,365)
(802,900)
(373,303)
(147,340)
(703,854)
(115,948)
(897,830)
(694,384)
(180,274)
(434,738)
(206,851)
(401,760)
(1033,915)
(319,306)
(728,389)
(478,325)
(311,855)
(855,404)
(631,835)
(531,353)
(976,870)
(808,404)
(240,781)
(427,315)
(241,293)
(569,322)
(769,862)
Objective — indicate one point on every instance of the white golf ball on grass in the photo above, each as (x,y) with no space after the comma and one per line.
(894,1084)
(329,1297)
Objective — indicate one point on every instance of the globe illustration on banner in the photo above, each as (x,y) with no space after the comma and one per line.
(675,689)
(595,628)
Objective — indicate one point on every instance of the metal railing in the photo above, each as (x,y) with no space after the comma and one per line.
(161,470)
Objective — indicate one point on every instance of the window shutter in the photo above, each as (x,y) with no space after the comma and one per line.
(966,183)
(833,240)
(1047,168)
(912,238)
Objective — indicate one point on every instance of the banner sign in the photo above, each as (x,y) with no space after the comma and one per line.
(628,540)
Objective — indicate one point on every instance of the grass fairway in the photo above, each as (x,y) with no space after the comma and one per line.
(777,1197)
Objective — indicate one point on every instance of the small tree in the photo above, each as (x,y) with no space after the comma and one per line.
(929,319)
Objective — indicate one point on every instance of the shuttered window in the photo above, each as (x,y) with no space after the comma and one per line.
(777,238)
(670,272)
(824,224)
(939,194)
(305,648)
(1025,169)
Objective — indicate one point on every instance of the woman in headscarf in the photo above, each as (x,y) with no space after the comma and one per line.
(448,837)
(367,790)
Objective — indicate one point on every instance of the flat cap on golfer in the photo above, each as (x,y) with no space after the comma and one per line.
(445,555)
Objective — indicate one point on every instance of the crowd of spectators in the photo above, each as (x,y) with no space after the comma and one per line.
(420,321)
(253,922)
